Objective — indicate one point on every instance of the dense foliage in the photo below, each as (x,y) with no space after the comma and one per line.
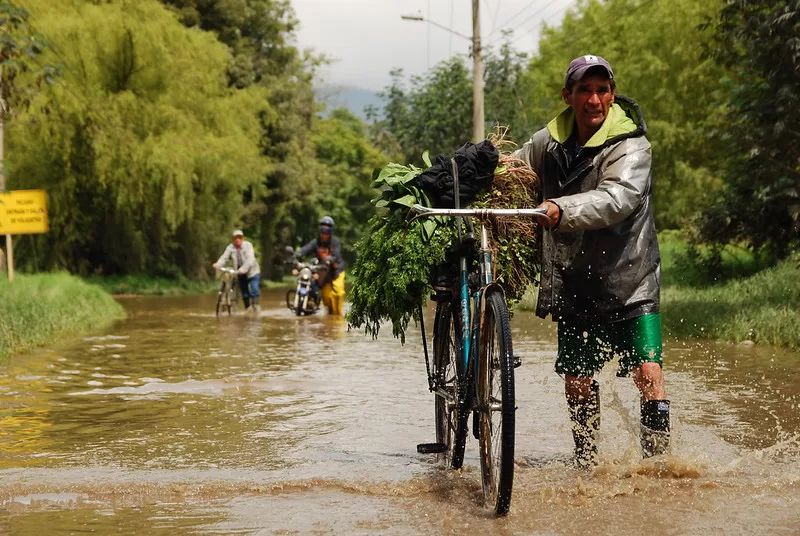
(758,43)
(161,138)
(402,257)
(396,259)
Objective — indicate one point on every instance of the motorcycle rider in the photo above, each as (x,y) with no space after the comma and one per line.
(328,250)
(243,257)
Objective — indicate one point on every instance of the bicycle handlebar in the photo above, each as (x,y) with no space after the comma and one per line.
(226,269)
(481,213)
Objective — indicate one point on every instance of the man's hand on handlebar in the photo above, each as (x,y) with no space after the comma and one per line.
(553,215)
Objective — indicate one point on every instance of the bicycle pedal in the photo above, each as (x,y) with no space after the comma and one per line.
(431,448)
(517,361)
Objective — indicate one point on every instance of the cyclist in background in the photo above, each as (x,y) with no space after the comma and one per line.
(241,254)
(328,250)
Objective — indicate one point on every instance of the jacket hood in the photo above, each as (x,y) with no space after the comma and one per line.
(624,120)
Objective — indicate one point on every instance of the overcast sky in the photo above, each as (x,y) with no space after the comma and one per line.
(367,38)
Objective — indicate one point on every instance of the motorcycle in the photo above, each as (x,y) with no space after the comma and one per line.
(305,298)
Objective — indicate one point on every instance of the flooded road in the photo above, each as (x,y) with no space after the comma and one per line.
(176,422)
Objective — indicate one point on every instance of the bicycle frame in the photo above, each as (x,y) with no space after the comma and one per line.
(471,332)
(228,292)
(483,361)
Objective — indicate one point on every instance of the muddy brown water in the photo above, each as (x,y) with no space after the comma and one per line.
(175,422)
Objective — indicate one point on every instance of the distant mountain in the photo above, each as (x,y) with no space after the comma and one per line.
(354,99)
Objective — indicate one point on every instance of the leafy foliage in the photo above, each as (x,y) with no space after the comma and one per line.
(398,261)
(395,259)
(392,275)
(759,42)
(20,49)
(160,139)
(144,150)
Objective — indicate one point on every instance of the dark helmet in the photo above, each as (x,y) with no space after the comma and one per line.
(326,221)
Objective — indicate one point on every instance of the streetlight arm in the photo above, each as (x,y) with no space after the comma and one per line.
(445,28)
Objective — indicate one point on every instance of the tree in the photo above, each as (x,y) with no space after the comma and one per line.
(144,149)
(655,48)
(758,41)
(21,47)
(434,114)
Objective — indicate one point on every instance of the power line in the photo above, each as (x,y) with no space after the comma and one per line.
(514,16)
(496,12)
(450,46)
(428,39)
(534,14)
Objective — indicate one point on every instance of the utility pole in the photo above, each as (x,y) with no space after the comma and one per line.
(477,76)
(478,120)
(9,244)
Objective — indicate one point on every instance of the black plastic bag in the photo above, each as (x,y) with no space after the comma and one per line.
(476,165)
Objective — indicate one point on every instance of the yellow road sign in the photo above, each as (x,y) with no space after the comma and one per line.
(23,212)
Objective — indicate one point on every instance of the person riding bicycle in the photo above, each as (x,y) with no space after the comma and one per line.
(601,265)
(241,254)
(328,250)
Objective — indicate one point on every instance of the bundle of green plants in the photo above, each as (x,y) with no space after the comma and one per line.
(393,269)
(397,259)
(515,241)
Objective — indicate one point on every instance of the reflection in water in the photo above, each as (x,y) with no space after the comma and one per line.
(177,421)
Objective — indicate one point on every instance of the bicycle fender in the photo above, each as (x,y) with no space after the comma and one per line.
(491,288)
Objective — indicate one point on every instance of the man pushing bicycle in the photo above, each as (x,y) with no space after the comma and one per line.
(601,265)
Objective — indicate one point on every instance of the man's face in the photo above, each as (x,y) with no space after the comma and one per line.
(590,99)
(237,241)
(324,233)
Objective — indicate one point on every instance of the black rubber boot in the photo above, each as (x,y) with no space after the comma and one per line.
(255,304)
(655,427)
(585,415)
(246,303)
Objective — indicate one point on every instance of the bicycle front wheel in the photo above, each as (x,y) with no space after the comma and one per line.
(451,416)
(495,392)
(221,299)
(233,298)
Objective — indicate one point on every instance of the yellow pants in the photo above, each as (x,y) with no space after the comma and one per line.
(333,295)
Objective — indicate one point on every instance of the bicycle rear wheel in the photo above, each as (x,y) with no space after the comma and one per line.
(495,391)
(451,417)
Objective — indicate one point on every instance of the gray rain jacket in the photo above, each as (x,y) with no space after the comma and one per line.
(248,258)
(602,261)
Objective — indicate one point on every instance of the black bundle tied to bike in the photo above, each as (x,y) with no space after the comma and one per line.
(476,165)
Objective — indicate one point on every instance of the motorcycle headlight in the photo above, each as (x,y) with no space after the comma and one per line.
(305,274)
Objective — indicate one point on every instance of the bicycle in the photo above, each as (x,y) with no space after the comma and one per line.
(228,295)
(473,361)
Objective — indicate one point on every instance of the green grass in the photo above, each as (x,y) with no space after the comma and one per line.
(37,309)
(764,308)
(743,301)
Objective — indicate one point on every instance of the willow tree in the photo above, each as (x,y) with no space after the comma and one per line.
(145,150)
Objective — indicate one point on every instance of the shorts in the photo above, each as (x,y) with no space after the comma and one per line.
(585,346)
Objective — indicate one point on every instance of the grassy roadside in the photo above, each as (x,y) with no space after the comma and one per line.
(140,285)
(36,309)
(746,303)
